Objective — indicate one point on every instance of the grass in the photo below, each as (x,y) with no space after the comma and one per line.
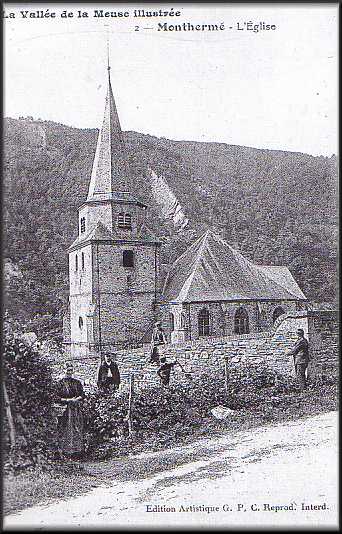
(75,478)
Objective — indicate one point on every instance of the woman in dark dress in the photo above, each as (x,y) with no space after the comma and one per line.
(70,425)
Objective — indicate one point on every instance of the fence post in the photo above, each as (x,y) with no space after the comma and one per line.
(130,400)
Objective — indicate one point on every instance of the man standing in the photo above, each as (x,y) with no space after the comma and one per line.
(109,375)
(164,371)
(157,341)
(300,353)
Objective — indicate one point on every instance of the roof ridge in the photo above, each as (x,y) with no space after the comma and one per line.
(187,250)
(212,269)
(233,250)
(196,262)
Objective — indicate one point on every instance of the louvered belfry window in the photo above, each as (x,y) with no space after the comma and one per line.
(125,221)
(203,322)
(128,221)
(241,322)
(83,225)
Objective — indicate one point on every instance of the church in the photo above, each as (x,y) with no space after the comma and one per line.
(116,291)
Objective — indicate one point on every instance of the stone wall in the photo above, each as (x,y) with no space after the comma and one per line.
(199,356)
(205,354)
(324,341)
(127,294)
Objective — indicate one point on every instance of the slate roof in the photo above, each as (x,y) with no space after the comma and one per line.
(211,270)
(110,168)
(117,196)
(100,232)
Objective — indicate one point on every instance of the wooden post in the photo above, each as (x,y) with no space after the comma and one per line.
(226,375)
(9,416)
(130,400)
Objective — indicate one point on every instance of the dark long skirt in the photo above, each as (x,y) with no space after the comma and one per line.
(71,431)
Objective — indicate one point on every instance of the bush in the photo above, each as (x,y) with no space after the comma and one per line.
(251,387)
(155,411)
(30,391)
(164,412)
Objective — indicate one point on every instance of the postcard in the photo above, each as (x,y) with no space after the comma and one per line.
(171,318)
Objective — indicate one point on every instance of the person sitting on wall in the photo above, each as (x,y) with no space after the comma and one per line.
(300,353)
(109,375)
(157,342)
(164,370)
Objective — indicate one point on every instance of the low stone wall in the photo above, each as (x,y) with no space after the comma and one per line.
(198,356)
(324,341)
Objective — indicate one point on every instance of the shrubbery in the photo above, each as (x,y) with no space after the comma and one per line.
(160,411)
(251,386)
(158,414)
(155,412)
(30,391)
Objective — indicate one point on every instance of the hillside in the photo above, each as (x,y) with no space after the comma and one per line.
(276,207)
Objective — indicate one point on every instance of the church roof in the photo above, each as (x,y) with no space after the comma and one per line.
(117,196)
(110,167)
(211,270)
(100,232)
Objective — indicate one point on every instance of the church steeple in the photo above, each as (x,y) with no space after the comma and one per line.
(114,261)
(110,170)
(110,201)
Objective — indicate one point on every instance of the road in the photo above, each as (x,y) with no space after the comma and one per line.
(265,476)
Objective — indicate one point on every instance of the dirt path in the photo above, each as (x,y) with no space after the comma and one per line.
(220,481)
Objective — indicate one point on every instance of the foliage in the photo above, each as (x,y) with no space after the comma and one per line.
(30,390)
(253,386)
(162,412)
(277,207)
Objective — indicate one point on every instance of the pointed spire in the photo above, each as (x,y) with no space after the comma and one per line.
(110,170)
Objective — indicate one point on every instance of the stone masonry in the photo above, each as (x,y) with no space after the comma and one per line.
(201,356)
(122,298)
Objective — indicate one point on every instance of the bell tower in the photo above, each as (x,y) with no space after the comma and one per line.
(113,264)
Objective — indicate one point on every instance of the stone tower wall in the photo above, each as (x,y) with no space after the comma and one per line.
(120,298)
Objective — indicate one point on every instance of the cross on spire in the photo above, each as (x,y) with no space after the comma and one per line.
(108,62)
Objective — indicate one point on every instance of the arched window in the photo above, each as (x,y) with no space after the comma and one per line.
(83,225)
(82,260)
(183,320)
(172,322)
(277,313)
(80,322)
(203,322)
(76,262)
(241,323)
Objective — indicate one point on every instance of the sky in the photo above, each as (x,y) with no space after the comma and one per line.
(274,89)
